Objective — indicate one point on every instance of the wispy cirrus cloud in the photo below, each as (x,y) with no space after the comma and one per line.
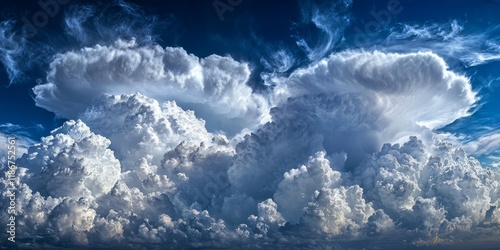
(12,48)
(449,39)
(322,27)
(88,24)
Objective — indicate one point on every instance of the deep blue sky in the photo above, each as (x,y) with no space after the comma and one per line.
(131,172)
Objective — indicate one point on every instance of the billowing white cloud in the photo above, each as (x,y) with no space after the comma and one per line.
(414,88)
(299,185)
(410,188)
(437,190)
(133,171)
(346,125)
(338,211)
(138,126)
(348,105)
(215,86)
(351,102)
(72,162)
(268,219)
(200,171)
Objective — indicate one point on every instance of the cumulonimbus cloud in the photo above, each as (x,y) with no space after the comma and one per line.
(215,86)
(416,87)
(319,168)
(353,103)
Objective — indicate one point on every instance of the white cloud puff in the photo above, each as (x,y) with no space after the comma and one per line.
(414,88)
(138,126)
(72,162)
(346,125)
(299,185)
(338,211)
(268,218)
(436,190)
(200,171)
(215,86)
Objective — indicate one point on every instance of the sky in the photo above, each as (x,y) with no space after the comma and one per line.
(251,124)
